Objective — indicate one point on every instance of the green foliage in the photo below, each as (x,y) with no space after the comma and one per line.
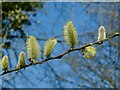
(15,13)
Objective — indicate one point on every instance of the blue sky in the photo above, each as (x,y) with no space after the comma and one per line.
(47,23)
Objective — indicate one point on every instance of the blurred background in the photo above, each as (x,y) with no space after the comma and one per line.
(47,19)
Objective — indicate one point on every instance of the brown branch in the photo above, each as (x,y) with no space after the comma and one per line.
(61,55)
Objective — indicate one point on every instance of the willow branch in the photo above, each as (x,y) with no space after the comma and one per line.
(63,54)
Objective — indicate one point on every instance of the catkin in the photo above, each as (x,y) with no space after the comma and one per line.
(21,60)
(33,48)
(4,63)
(101,33)
(70,34)
(89,52)
(49,46)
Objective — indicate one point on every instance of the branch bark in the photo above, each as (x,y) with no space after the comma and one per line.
(63,54)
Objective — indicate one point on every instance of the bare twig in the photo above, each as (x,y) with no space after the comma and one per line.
(61,55)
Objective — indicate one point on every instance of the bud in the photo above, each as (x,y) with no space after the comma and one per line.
(49,46)
(89,52)
(33,48)
(21,60)
(101,33)
(70,34)
(4,63)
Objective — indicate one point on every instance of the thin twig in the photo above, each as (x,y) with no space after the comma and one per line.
(61,55)
(42,39)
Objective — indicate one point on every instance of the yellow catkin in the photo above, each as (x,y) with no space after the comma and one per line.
(33,48)
(49,46)
(89,52)
(21,60)
(101,33)
(70,34)
(4,63)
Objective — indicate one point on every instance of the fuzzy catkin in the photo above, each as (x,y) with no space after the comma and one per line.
(33,48)
(70,34)
(89,52)
(22,60)
(4,63)
(49,46)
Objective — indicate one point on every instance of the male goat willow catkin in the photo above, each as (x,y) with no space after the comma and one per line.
(33,48)
(49,46)
(89,52)
(70,34)
(101,34)
(4,63)
(21,60)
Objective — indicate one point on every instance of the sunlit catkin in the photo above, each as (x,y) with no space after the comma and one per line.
(89,52)
(4,63)
(21,60)
(49,46)
(101,33)
(70,34)
(33,48)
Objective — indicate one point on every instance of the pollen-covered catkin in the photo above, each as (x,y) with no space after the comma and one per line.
(89,52)
(5,63)
(33,48)
(49,46)
(70,34)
